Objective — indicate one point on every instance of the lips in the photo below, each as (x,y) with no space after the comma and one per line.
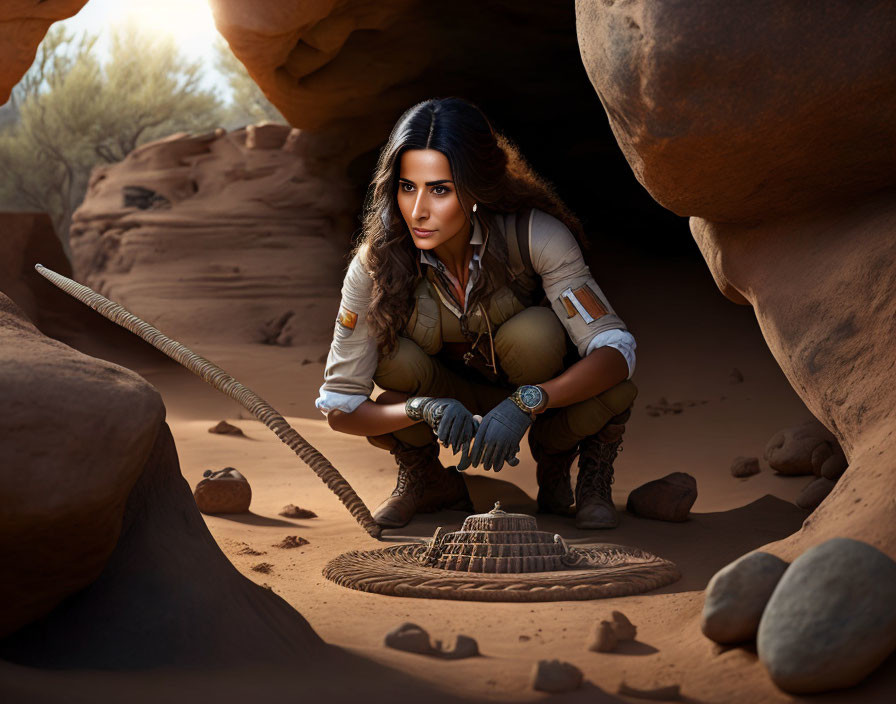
(423,233)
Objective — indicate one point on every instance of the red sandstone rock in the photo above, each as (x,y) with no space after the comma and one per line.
(76,432)
(666,499)
(801,449)
(224,491)
(23,24)
(240,221)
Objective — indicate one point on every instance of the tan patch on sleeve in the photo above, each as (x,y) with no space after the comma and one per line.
(347,318)
(590,302)
(571,311)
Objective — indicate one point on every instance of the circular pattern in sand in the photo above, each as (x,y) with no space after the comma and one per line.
(613,570)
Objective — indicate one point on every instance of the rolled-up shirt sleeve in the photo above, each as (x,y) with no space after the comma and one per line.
(352,360)
(573,293)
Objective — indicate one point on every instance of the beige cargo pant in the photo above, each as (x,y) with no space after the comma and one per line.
(529,348)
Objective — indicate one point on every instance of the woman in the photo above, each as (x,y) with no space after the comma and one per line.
(441,308)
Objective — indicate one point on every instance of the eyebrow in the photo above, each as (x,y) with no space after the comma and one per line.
(428,183)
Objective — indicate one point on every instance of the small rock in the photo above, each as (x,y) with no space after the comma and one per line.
(737,595)
(830,622)
(555,676)
(625,629)
(306,361)
(672,693)
(603,638)
(464,647)
(790,450)
(292,511)
(224,491)
(413,639)
(263,567)
(410,638)
(248,550)
(290,541)
(666,499)
(814,493)
(745,466)
(225,428)
(736,376)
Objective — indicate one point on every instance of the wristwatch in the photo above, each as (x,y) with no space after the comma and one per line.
(530,399)
(413,407)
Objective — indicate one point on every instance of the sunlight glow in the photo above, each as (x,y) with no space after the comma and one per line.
(188,22)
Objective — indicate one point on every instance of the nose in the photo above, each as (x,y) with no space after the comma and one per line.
(421,210)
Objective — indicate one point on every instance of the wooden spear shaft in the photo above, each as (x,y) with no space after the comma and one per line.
(223,382)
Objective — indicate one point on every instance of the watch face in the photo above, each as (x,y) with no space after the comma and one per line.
(530,396)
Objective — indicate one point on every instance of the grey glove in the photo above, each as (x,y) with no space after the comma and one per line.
(499,436)
(453,423)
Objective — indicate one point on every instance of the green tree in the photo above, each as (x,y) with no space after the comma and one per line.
(247,103)
(75,112)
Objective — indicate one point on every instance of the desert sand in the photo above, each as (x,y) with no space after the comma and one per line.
(690,362)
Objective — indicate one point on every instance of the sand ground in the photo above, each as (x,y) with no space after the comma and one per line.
(687,357)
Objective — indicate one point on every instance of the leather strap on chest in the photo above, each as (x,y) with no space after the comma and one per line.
(523,280)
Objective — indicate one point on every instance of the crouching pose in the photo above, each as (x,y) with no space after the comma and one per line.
(468,295)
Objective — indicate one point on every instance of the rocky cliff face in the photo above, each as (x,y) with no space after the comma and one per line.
(773,142)
(243,227)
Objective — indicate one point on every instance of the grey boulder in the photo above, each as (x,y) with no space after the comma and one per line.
(831,620)
(736,597)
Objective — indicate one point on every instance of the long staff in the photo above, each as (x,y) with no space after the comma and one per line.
(223,382)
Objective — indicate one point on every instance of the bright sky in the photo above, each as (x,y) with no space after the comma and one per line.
(189,22)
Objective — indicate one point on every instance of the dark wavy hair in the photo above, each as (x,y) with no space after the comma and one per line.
(487,169)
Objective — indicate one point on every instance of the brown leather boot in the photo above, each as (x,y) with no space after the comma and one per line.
(554,483)
(423,486)
(594,492)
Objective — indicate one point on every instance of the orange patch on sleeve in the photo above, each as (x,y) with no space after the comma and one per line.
(347,318)
(590,302)
(571,311)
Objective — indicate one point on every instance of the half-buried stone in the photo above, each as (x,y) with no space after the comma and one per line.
(830,621)
(736,597)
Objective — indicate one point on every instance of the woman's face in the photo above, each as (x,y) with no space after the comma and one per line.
(427,198)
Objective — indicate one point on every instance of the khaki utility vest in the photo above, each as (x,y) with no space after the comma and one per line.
(434,322)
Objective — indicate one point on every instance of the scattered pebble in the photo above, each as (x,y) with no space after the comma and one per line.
(263,567)
(672,693)
(555,676)
(745,466)
(248,550)
(413,639)
(736,597)
(666,499)
(830,621)
(292,511)
(814,493)
(625,629)
(223,491)
(603,638)
(290,541)
(736,376)
(225,428)
(524,639)
(608,634)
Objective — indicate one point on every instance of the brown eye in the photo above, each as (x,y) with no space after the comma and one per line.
(439,190)
(406,187)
